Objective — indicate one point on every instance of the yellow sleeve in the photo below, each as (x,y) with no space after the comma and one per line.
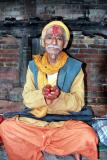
(32,97)
(68,102)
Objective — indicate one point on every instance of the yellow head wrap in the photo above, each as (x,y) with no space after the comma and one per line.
(59,23)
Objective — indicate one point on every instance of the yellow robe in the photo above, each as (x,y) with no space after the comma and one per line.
(24,141)
(66,102)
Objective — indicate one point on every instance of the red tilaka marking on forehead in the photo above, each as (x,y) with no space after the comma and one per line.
(56,30)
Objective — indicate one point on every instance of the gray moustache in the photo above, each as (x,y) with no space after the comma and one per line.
(54,46)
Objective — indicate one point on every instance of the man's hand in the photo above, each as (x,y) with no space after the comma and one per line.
(50,92)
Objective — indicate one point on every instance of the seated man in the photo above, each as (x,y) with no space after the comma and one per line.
(54,85)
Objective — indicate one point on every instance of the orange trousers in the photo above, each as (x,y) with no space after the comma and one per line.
(27,142)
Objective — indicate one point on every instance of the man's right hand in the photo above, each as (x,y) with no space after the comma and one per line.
(50,92)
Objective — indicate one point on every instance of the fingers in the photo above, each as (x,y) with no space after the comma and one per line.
(50,92)
(50,96)
(56,90)
(46,89)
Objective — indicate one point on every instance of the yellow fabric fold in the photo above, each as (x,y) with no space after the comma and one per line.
(40,112)
(44,67)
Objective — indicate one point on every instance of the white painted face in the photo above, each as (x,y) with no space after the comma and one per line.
(54,41)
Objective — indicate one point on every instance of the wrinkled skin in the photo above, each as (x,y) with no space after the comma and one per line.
(54,43)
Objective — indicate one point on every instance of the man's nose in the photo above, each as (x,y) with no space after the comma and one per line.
(54,40)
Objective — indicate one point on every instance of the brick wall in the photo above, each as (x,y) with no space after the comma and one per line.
(23,9)
(92,51)
(10,90)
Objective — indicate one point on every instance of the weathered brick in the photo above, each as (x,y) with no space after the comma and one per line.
(4,94)
(9,51)
(99,109)
(15,94)
(1,64)
(7,106)
(103,51)
(7,46)
(11,64)
(102,46)
(9,59)
(11,75)
(73,51)
(93,88)
(89,50)
(96,94)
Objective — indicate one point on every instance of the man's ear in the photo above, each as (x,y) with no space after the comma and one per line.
(42,42)
(66,43)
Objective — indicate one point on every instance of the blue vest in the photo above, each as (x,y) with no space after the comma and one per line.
(66,74)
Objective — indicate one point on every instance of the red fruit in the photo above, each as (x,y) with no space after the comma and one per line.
(47,92)
(48,87)
(56,90)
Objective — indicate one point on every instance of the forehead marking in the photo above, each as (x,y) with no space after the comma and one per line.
(56,30)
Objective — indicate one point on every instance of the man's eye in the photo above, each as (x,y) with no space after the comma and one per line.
(60,38)
(49,37)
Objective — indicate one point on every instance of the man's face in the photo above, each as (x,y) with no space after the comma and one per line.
(54,41)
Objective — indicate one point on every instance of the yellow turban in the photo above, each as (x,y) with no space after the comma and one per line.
(50,24)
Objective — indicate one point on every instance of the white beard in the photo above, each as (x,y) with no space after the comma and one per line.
(53,56)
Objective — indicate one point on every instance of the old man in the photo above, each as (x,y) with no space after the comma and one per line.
(54,86)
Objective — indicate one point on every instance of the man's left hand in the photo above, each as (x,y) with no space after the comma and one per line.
(52,94)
